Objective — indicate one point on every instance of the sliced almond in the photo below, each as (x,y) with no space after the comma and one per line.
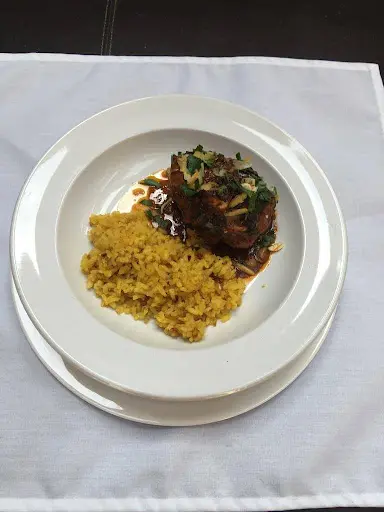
(211,185)
(195,177)
(250,187)
(242,164)
(275,247)
(237,200)
(244,269)
(239,211)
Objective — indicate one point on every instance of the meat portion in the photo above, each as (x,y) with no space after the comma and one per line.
(189,206)
(202,211)
(244,236)
(265,218)
(222,201)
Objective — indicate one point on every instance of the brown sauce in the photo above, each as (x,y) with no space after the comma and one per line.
(168,211)
(253,259)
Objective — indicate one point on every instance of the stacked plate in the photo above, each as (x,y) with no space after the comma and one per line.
(129,368)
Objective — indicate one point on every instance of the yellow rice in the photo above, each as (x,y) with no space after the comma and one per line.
(137,269)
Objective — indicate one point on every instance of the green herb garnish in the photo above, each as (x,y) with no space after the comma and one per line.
(233,184)
(222,190)
(267,239)
(258,199)
(162,223)
(238,156)
(252,202)
(263,193)
(249,193)
(149,214)
(209,161)
(150,182)
(193,164)
(252,174)
(208,158)
(188,191)
(146,202)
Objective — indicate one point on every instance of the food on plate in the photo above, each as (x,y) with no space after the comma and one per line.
(224,200)
(215,224)
(147,273)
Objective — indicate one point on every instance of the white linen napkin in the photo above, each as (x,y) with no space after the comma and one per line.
(319,443)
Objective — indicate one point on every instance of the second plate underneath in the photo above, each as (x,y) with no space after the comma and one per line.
(157,412)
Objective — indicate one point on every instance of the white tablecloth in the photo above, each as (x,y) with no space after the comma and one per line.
(318,444)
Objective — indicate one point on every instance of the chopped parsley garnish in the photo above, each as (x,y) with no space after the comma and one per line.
(249,193)
(188,191)
(267,239)
(222,190)
(209,160)
(233,184)
(146,202)
(252,199)
(263,193)
(198,148)
(252,202)
(162,223)
(150,182)
(238,156)
(252,174)
(149,214)
(193,164)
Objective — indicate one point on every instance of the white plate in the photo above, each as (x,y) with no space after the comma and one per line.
(91,168)
(156,412)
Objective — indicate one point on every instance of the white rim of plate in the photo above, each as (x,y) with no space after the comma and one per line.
(161,413)
(288,331)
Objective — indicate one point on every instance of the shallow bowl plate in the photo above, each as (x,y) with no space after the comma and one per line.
(92,167)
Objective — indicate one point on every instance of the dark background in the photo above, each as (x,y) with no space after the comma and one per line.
(313,29)
(323,29)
